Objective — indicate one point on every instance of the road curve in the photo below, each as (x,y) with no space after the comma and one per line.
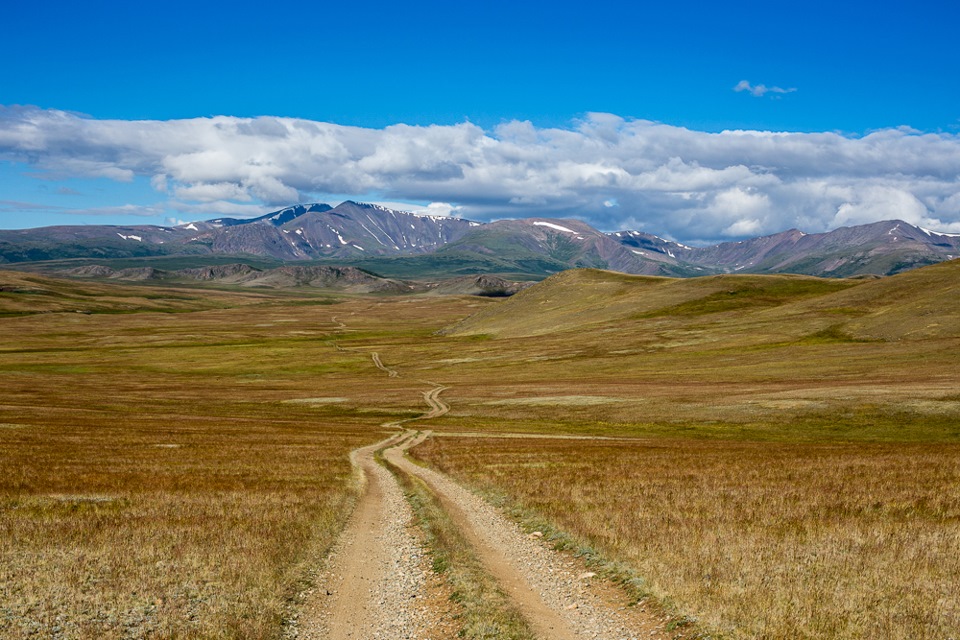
(374,583)
(379,364)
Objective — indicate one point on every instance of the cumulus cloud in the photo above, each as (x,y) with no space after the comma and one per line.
(206,192)
(444,209)
(610,171)
(760,90)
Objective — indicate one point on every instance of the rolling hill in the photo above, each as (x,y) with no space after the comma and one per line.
(349,279)
(24,294)
(764,308)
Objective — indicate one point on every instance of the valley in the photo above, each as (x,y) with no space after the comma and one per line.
(733,456)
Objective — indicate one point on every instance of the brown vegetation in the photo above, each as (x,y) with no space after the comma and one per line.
(755,540)
(790,466)
(155,479)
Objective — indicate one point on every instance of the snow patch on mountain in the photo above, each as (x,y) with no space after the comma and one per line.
(540,223)
(937,233)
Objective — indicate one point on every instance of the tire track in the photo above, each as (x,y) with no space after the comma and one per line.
(437,406)
(379,363)
(560,601)
(557,600)
(375,580)
(547,622)
(374,585)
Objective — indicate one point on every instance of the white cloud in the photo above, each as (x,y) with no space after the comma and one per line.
(159,182)
(746,227)
(219,208)
(760,90)
(668,180)
(880,202)
(741,204)
(444,209)
(211,192)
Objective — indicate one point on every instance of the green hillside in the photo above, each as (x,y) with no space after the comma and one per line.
(28,294)
(591,299)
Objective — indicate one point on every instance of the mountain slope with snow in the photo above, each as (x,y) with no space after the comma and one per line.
(362,234)
(880,248)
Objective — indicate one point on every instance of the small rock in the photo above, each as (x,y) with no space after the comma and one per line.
(535,534)
(587,575)
(571,607)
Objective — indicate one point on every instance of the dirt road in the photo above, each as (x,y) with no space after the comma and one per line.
(437,406)
(374,585)
(557,595)
(379,364)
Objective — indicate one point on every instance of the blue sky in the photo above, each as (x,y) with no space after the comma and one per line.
(868,92)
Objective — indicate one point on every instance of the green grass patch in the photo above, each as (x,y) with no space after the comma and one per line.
(831,335)
(751,294)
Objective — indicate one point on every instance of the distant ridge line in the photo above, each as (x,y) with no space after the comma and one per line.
(366,234)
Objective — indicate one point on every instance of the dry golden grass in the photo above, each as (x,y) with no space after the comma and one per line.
(792,472)
(580,298)
(155,478)
(759,359)
(771,541)
(168,530)
(28,294)
(794,469)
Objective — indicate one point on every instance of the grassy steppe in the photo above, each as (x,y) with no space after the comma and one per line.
(173,463)
(787,460)
(788,453)
(754,540)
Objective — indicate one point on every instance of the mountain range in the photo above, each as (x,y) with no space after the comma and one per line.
(401,243)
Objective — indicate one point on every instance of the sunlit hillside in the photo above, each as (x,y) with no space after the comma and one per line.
(920,303)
